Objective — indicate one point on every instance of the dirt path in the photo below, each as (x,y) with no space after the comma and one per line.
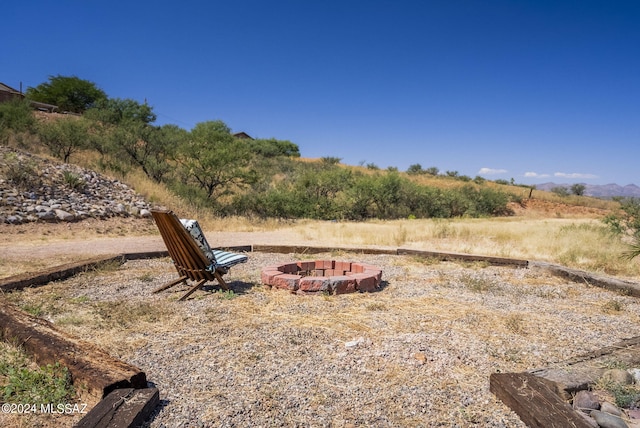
(33,247)
(129,244)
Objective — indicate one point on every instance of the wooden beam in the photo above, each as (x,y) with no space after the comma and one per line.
(286,249)
(89,366)
(122,408)
(534,401)
(499,261)
(56,273)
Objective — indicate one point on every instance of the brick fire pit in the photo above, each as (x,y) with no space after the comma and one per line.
(323,276)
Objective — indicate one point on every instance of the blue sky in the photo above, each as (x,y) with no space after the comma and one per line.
(533,90)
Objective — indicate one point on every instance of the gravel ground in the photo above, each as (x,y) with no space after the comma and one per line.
(417,353)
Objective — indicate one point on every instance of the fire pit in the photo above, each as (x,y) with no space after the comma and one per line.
(323,276)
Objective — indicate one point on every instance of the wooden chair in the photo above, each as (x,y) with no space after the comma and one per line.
(194,259)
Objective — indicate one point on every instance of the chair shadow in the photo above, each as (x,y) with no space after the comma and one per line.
(238,287)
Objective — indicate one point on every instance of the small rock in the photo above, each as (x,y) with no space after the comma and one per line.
(586,401)
(636,375)
(606,420)
(64,216)
(14,219)
(589,420)
(618,376)
(421,357)
(354,343)
(610,408)
(46,215)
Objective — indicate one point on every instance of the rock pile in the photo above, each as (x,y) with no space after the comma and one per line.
(604,414)
(33,188)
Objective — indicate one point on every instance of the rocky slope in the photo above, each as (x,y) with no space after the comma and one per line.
(34,188)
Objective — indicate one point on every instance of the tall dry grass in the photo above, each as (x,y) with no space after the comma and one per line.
(579,243)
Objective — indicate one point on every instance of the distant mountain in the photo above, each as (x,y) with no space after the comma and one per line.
(598,190)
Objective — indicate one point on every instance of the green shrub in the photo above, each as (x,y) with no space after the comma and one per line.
(16,116)
(20,173)
(72,180)
(48,384)
(19,383)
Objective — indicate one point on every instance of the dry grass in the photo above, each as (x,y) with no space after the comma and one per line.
(425,344)
(582,243)
(578,243)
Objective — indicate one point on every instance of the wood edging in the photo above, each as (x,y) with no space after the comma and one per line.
(498,261)
(534,401)
(126,407)
(304,249)
(90,367)
(56,273)
(629,288)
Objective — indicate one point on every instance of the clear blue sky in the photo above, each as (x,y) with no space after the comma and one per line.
(533,90)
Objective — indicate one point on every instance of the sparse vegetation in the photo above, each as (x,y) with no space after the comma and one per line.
(612,306)
(74,181)
(23,382)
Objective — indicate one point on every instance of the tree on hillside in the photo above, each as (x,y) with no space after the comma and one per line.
(65,137)
(215,160)
(578,189)
(69,93)
(415,169)
(271,147)
(15,116)
(560,191)
(148,147)
(432,170)
(117,110)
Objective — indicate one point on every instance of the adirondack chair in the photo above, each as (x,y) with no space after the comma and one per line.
(192,256)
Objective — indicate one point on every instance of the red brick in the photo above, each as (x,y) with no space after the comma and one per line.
(367,266)
(365,282)
(267,276)
(287,281)
(376,273)
(307,266)
(324,264)
(289,268)
(315,283)
(342,266)
(331,272)
(343,284)
(318,272)
(357,268)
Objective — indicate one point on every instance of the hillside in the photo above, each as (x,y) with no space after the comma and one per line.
(35,188)
(38,188)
